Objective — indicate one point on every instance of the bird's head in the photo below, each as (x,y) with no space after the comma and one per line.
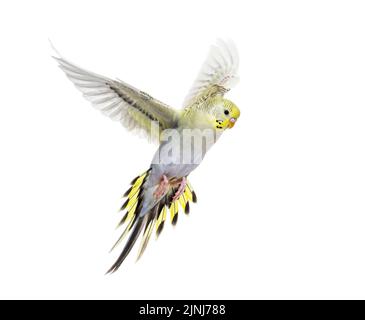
(225,113)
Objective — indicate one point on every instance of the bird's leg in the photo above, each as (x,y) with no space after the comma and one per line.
(162,187)
(180,190)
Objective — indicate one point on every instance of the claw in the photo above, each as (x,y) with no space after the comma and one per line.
(162,187)
(181,189)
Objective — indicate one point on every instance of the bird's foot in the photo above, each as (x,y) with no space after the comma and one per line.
(180,190)
(162,187)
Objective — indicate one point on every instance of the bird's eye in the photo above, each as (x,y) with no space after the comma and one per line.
(226,112)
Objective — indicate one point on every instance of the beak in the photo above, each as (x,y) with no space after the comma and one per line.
(231,122)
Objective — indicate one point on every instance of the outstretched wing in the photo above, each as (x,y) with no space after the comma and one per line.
(135,109)
(218,74)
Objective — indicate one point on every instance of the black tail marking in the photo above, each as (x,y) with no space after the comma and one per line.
(128,247)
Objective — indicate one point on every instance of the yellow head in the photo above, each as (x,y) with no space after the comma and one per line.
(225,113)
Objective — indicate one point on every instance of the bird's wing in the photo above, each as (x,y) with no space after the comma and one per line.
(218,74)
(135,109)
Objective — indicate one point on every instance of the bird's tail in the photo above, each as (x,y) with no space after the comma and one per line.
(155,218)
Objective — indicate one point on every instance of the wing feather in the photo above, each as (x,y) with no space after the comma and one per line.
(218,74)
(135,109)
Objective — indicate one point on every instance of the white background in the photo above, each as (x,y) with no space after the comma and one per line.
(281,211)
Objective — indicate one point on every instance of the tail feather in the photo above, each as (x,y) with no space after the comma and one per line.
(153,220)
(129,245)
(124,233)
(161,220)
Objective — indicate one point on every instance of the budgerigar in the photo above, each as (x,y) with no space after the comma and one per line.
(205,115)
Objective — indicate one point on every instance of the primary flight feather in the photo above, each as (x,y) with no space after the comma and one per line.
(184,136)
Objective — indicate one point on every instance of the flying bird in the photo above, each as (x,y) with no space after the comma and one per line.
(163,188)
